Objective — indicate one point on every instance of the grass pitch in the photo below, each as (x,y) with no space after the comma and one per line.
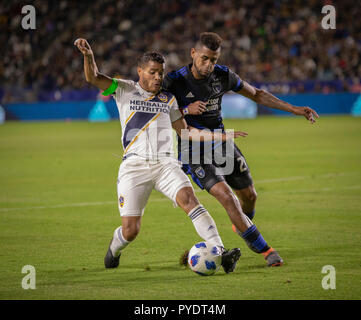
(58,210)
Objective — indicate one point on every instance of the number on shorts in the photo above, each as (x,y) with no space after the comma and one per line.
(242,163)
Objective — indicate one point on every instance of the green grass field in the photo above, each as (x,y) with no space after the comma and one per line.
(58,209)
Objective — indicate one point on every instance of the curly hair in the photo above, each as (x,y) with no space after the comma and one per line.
(150,56)
(210,40)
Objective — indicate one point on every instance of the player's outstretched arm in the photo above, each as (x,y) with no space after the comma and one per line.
(265,98)
(92,74)
(190,133)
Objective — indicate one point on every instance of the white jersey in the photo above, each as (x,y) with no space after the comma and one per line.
(146,120)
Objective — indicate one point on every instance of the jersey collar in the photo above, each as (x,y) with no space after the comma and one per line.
(210,77)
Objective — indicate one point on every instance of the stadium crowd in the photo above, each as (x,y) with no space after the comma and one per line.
(271,41)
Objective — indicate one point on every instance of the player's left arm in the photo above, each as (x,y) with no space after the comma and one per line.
(187,132)
(265,98)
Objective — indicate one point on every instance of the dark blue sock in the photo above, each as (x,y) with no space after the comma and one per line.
(251,214)
(255,239)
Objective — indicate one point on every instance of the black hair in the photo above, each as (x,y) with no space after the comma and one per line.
(150,56)
(210,40)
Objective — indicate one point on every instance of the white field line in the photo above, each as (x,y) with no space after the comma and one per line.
(327,175)
(65,205)
(101,203)
(353,187)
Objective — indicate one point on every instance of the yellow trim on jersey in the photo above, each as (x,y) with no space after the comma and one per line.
(150,98)
(141,130)
(131,115)
(171,101)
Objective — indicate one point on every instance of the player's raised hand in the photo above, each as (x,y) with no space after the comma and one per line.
(83,46)
(197,108)
(307,112)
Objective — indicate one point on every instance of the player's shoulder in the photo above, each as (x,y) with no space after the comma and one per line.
(165,96)
(218,68)
(125,82)
(125,85)
(177,74)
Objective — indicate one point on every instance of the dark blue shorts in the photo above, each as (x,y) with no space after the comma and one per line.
(207,172)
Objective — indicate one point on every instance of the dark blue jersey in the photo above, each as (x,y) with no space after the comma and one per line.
(187,89)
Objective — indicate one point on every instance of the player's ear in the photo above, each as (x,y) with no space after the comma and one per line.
(139,70)
(193,52)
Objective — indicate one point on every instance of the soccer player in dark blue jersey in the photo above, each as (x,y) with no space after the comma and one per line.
(199,88)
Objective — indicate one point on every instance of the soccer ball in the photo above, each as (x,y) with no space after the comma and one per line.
(204,258)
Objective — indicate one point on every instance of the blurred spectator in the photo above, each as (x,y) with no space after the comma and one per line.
(264,41)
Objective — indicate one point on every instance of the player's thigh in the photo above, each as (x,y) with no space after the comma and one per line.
(134,186)
(240,177)
(170,179)
(204,175)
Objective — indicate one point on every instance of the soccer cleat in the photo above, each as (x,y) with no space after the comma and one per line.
(109,260)
(273,258)
(230,258)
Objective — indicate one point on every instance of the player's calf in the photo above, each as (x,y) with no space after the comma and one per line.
(117,243)
(248,198)
(256,243)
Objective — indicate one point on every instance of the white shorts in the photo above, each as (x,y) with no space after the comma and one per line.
(137,178)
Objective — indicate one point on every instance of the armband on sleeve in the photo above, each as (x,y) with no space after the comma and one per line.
(185,110)
(111,89)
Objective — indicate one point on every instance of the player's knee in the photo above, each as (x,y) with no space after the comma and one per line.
(248,195)
(252,196)
(186,199)
(130,231)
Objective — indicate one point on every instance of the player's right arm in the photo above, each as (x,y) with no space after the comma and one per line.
(92,74)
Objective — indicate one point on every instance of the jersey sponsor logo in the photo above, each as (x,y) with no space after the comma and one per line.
(200,172)
(213,104)
(121,201)
(148,106)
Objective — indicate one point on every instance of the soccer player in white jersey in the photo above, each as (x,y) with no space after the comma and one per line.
(147,115)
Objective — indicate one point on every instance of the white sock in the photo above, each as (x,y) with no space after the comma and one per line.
(118,242)
(205,226)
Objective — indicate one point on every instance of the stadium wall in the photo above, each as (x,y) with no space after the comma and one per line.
(333,103)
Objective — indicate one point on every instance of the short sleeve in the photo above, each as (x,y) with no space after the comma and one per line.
(123,86)
(234,81)
(175,113)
